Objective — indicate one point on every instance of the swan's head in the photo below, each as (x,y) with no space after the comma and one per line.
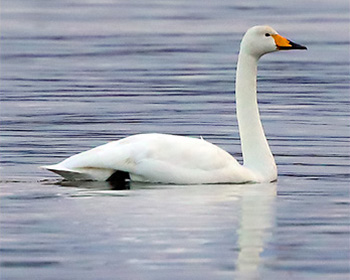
(260,40)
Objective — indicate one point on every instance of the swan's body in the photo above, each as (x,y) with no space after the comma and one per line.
(157,158)
(184,160)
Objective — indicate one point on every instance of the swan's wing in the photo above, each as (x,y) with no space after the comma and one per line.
(156,158)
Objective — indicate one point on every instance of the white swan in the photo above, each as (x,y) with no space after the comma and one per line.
(183,160)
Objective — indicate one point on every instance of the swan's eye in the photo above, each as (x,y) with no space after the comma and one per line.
(267,34)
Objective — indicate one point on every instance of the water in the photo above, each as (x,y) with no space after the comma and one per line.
(76,74)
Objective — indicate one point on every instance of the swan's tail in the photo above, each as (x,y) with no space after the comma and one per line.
(69,174)
(80,174)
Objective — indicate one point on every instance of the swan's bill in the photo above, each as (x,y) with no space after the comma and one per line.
(285,44)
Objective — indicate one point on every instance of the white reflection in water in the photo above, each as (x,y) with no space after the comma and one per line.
(255,204)
(256,222)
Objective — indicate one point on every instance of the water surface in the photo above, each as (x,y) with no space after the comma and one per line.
(76,74)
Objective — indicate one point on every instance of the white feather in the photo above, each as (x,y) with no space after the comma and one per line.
(156,158)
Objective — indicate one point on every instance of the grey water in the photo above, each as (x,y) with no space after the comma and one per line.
(77,74)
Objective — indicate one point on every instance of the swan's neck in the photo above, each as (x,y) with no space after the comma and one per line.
(257,155)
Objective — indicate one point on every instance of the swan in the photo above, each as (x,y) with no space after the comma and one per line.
(164,158)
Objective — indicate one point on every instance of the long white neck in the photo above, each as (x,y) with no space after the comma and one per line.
(257,155)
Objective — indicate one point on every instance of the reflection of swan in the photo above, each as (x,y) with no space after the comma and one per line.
(215,220)
(256,222)
(184,160)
